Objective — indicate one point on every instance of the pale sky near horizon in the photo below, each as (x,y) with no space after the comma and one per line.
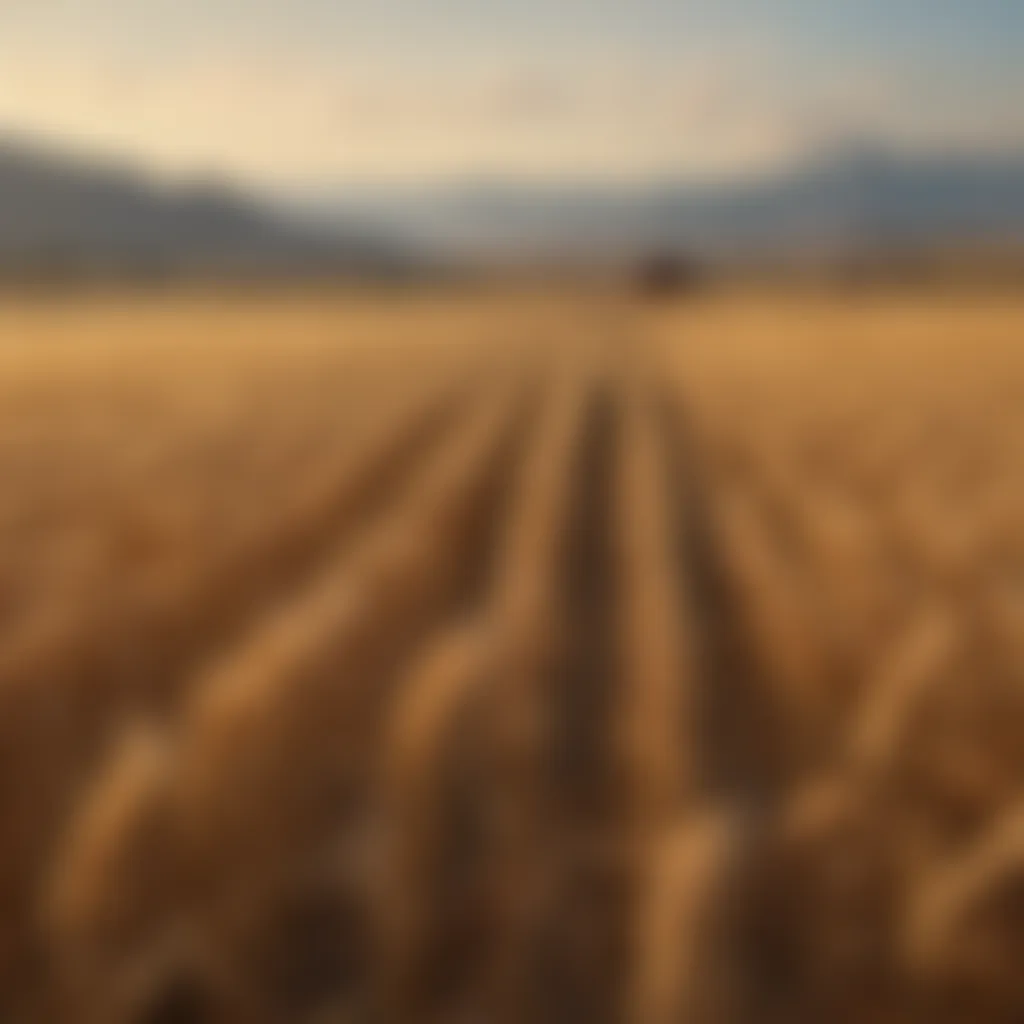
(315,91)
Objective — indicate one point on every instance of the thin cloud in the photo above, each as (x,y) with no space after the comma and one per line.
(271,118)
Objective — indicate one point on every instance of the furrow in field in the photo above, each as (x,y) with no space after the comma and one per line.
(463,779)
(685,804)
(558,873)
(263,797)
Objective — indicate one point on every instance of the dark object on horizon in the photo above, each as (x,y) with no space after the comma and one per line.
(666,275)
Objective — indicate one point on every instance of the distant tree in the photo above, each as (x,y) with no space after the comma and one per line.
(666,274)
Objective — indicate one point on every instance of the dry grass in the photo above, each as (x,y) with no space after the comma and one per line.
(511,659)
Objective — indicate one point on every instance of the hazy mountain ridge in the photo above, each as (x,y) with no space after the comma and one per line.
(853,199)
(59,213)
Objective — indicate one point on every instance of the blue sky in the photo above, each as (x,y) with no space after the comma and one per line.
(289,91)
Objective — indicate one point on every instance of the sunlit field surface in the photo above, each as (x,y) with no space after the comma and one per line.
(513,659)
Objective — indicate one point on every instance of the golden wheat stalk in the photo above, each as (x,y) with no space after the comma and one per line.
(948,901)
(899,687)
(658,730)
(429,879)
(685,970)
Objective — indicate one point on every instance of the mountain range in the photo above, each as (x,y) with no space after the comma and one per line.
(62,214)
(854,199)
(59,212)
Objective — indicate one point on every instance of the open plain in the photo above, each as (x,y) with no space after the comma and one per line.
(512,658)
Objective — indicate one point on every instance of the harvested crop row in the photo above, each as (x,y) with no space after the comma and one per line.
(572,690)
(66,697)
(289,720)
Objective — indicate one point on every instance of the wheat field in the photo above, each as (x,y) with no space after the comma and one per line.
(508,659)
